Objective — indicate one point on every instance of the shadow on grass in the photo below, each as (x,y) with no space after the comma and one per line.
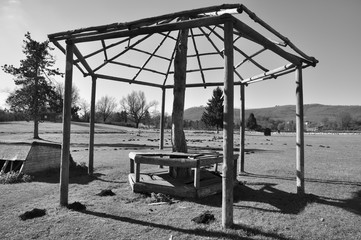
(326,181)
(286,203)
(277,198)
(248,231)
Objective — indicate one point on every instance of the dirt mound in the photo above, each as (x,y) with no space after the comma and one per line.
(76,206)
(32,214)
(106,192)
(205,218)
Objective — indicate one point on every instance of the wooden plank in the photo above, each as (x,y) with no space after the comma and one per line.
(131,166)
(5,165)
(197,55)
(120,79)
(162,114)
(137,171)
(171,162)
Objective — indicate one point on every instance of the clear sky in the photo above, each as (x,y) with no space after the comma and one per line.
(326,29)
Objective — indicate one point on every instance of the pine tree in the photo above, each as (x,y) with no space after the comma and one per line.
(213,115)
(35,94)
(252,122)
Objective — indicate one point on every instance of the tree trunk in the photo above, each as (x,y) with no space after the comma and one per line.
(36,109)
(178,138)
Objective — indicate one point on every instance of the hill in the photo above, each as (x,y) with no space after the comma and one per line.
(312,112)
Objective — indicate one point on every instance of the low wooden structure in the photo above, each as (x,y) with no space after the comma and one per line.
(203,183)
(29,158)
(124,48)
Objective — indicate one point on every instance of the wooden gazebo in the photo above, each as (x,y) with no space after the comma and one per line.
(143,52)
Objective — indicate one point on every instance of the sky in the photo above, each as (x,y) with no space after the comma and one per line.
(325,29)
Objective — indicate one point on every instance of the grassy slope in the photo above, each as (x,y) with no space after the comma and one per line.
(313,112)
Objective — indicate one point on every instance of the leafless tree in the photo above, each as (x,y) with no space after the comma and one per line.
(136,106)
(85,109)
(106,106)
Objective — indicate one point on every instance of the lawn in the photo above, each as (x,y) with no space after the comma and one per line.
(265,204)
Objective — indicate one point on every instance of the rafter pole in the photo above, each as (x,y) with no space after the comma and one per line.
(124,51)
(65,148)
(218,51)
(198,58)
(152,54)
(227,167)
(92,126)
(300,149)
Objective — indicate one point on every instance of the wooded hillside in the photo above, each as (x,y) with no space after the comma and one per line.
(312,112)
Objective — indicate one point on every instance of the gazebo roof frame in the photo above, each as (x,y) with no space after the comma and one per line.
(197,18)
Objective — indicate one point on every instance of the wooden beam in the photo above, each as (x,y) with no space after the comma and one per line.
(121,53)
(107,47)
(65,149)
(269,73)
(92,125)
(258,38)
(239,50)
(119,79)
(300,149)
(228,161)
(82,60)
(148,53)
(198,58)
(187,24)
(139,23)
(253,16)
(242,128)
(162,114)
(105,50)
(58,45)
(136,67)
(151,55)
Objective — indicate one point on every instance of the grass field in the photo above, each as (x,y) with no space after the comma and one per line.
(265,204)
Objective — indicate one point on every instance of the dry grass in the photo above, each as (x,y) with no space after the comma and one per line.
(265,206)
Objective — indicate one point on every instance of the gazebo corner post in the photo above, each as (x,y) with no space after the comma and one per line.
(300,150)
(242,129)
(65,148)
(228,161)
(162,113)
(92,126)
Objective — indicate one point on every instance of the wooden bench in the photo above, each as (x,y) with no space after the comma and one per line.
(172,159)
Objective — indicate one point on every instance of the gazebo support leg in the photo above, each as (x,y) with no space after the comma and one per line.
(228,161)
(92,125)
(65,150)
(299,133)
(242,130)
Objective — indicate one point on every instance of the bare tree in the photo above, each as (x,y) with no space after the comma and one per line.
(85,109)
(106,106)
(136,106)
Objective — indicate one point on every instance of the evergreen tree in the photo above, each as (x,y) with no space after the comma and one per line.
(252,122)
(213,116)
(35,93)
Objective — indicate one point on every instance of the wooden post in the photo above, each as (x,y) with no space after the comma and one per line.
(161,140)
(65,150)
(92,125)
(179,143)
(228,161)
(299,133)
(242,130)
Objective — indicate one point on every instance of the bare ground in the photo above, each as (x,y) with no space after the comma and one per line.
(265,204)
